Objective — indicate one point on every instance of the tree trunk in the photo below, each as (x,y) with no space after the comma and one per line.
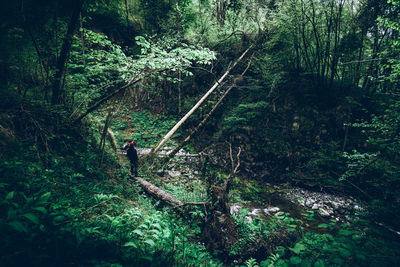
(82,41)
(205,119)
(64,54)
(335,56)
(176,127)
(104,135)
(221,7)
(159,193)
(126,12)
(220,231)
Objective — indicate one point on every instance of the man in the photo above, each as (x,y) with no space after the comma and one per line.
(133,158)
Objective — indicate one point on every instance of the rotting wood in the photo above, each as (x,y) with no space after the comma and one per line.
(179,124)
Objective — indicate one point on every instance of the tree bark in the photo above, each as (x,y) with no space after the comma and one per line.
(179,124)
(64,54)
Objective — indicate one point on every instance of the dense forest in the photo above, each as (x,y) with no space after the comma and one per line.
(267,133)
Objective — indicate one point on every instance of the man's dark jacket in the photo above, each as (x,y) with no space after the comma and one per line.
(132,154)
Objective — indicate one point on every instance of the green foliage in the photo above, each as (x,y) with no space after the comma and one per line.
(251,263)
(98,67)
(145,128)
(245,116)
(260,229)
(93,65)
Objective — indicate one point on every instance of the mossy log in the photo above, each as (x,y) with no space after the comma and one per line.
(159,193)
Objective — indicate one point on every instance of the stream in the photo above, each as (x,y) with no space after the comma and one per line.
(272,200)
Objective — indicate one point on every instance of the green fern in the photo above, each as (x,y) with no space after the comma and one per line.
(251,263)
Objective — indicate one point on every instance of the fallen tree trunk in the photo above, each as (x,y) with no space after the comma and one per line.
(205,119)
(159,193)
(176,127)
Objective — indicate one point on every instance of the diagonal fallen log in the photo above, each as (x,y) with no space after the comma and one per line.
(184,118)
(205,119)
(159,193)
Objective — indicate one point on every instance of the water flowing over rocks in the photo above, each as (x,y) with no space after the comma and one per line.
(327,205)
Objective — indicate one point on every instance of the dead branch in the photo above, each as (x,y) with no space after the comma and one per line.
(130,83)
(234,170)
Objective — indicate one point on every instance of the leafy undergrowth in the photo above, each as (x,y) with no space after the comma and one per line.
(358,244)
(60,207)
(142,127)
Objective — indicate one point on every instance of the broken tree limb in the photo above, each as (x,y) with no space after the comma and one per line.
(176,127)
(205,119)
(104,99)
(111,139)
(159,193)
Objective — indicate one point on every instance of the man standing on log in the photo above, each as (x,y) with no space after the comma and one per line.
(133,158)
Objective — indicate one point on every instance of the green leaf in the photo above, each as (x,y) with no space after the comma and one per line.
(138,232)
(10,195)
(243,212)
(319,263)
(11,214)
(58,219)
(32,217)
(344,252)
(131,244)
(281,263)
(295,260)
(298,248)
(345,232)
(338,261)
(41,209)
(323,225)
(45,197)
(18,226)
(157,225)
(150,242)
(148,258)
